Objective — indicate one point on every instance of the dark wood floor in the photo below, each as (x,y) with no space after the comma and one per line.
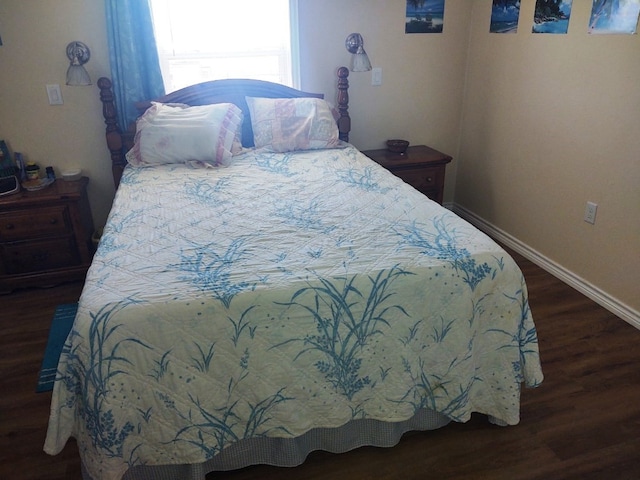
(582,423)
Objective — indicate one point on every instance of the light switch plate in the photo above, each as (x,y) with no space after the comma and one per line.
(54,94)
(376,76)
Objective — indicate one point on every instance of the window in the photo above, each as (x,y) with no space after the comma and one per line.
(200,40)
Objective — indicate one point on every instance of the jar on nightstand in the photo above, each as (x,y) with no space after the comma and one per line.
(33,171)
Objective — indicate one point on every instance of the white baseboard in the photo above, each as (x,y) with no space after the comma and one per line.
(599,296)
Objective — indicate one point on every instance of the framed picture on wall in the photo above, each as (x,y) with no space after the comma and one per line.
(551,17)
(424,16)
(504,16)
(619,17)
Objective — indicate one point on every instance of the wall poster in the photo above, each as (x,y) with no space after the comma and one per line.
(551,16)
(504,16)
(614,16)
(424,16)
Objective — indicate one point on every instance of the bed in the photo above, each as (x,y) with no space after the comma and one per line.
(290,295)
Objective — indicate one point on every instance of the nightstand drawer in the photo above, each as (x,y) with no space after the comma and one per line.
(39,255)
(43,222)
(45,235)
(420,178)
(420,166)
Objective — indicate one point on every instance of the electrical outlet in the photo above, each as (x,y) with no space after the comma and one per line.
(590,212)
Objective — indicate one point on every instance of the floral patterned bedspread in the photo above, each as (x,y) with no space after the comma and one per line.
(283,293)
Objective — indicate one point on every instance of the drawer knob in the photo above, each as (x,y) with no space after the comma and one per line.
(9,226)
(429,179)
(53,221)
(40,256)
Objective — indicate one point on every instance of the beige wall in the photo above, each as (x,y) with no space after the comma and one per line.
(423,75)
(551,122)
(35,34)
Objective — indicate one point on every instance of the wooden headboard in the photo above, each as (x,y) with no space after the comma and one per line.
(120,142)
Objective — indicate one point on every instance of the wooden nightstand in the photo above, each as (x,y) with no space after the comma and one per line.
(45,236)
(420,166)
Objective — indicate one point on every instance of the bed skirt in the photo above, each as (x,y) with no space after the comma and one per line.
(290,452)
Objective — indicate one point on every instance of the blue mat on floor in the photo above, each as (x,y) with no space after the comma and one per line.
(60,328)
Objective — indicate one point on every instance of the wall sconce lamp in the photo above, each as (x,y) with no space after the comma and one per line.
(78,54)
(359,61)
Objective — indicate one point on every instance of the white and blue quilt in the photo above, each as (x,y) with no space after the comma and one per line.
(283,293)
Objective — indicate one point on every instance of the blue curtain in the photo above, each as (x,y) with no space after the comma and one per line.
(135,68)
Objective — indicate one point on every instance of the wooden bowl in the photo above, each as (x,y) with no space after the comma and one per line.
(397,145)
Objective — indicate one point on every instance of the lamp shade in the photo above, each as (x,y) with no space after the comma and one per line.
(361,61)
(77,76)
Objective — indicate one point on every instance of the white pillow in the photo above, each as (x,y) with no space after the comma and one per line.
(207,135)
(288,124)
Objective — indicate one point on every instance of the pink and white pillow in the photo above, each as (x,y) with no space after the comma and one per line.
(207,135)
(289,124)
